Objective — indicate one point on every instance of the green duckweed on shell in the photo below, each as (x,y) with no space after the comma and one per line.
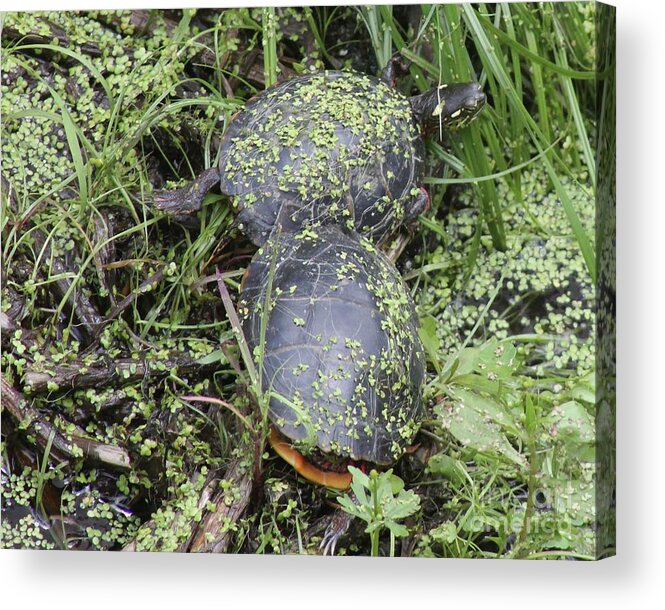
(331,146)
(342,358)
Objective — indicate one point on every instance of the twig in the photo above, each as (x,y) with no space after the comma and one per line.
(7,328)
(81,305)
(122,371)
(146,286)
(27,416)
(215,532)
(151,525)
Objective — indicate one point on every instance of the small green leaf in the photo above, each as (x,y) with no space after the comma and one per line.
(574,419)
(397,529)
(446,532)
(585,390)
(380,501)
(447,467)
(430,339)
(474,429)
(488,408)
(212,357)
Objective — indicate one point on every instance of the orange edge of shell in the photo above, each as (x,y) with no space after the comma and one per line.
(334,480)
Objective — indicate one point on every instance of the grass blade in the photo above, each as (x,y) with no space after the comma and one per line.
(488,53)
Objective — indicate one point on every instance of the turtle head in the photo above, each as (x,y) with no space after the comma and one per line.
(450,106)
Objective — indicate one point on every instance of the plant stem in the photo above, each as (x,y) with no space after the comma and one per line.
(269,45)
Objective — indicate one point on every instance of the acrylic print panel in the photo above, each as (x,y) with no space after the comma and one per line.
(310,280)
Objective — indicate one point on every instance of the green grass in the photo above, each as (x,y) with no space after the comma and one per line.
(502,267)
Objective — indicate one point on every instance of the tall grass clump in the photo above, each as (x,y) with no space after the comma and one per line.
(537,65)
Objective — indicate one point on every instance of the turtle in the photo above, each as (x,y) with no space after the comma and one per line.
(333,146)
(335,334)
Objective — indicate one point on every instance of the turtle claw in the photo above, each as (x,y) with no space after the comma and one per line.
(337,527)
(328,544)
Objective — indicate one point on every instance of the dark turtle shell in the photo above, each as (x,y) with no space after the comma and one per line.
(331,146)
(341,357)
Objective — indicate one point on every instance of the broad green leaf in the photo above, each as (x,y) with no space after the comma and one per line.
(585,390)
(402,506)
(494,360)
(573,419)
(488,408)
(477,431)
(575,428)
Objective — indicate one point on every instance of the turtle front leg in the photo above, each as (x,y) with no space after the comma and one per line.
(419,206)
(338,526)
(189,198)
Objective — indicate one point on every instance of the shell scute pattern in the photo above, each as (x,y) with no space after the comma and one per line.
(342,356)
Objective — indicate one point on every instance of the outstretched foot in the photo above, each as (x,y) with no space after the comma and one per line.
(189,198)
(337,527)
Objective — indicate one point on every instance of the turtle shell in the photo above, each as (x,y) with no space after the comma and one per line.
(326,147)
(341,357)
